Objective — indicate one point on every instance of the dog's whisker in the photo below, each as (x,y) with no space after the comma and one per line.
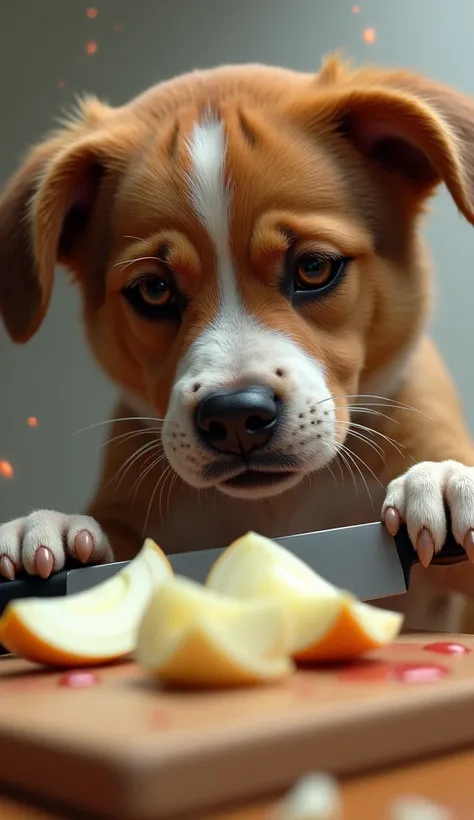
(311,477)
(175,477)
(364,464)
(127,469)
(359,410)
(370,404)
(352,456)
(150,464)
(349,454)
(157,485)
(124,418)
(386,402)
(333,476)
(127,262)
(388,405)
(154,454)
(374,446)
(149,460)
(149,506)
(168,474)
(130,461)
(340,469)
(137,259)
(144,448)
(138,239)
(393,442)
(132,434)
(375,432)
(347,464)
(359,435)
(338,452)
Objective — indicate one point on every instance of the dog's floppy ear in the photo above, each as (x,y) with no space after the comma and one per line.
(43,211)
(419,129)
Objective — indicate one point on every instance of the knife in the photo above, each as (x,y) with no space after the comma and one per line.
(364,560)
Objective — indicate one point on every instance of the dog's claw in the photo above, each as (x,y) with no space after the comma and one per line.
(425,547)
(44,562)
(7,568)
(392,520)
(468,545)
(84,546)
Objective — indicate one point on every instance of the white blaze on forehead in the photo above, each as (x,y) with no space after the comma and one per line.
(210,197)
(236,344)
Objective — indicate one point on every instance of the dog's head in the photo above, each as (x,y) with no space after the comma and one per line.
(245,240)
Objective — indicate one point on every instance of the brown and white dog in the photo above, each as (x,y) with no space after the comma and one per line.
(246,243)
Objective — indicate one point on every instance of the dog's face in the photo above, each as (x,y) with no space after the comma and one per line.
(245,241)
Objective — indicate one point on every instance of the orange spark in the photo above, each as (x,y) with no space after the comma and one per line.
(61,83)
(91,47)
(91,13)
(117,27)
(369,35)
(355,9)
(6,469)
(32,421)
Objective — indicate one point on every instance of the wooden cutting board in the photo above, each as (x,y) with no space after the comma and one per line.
(125,748)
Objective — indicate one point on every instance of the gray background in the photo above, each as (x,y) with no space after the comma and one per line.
(43,64)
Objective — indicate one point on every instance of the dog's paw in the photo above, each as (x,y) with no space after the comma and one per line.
(41,542)
(419,498)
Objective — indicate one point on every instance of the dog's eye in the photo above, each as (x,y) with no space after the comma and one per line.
(155,291)
(151,296)
(316,271)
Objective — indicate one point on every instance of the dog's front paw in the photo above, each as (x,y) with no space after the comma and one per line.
(419,497)
(41,542)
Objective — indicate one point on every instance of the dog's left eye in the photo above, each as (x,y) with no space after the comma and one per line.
(155,291)
(152,296)
(315,271)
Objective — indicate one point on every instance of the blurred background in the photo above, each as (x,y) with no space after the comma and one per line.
(51,50)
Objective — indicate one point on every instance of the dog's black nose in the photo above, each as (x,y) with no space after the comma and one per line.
(238,421)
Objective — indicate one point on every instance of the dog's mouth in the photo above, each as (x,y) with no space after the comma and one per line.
(253,479)
(234,474)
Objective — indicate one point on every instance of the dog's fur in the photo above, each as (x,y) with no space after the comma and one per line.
(218,178)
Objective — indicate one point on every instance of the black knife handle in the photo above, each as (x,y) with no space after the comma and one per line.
(32,587)
(451,552)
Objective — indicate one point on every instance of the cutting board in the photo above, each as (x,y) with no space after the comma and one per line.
(127,749)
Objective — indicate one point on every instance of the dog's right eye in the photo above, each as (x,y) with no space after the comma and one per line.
(152,296)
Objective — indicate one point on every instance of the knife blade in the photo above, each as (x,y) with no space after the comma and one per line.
(362,559)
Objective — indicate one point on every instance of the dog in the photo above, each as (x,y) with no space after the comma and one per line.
(246,243)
